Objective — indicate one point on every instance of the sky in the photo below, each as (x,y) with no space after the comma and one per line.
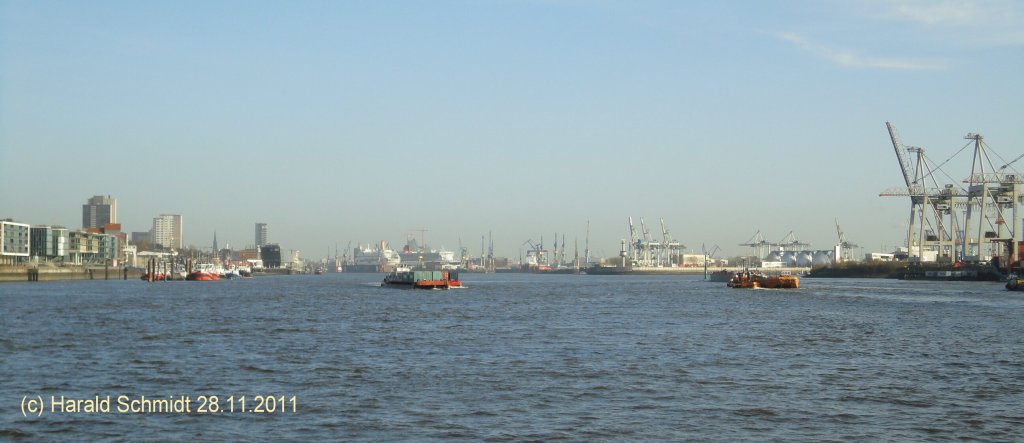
(350,122)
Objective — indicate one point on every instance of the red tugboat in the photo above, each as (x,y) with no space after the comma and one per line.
(747,280)
(405,278)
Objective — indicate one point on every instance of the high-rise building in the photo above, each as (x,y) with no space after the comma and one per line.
(261,234)
(167,231)
(99,211)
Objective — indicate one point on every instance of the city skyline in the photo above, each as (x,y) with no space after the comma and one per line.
(354,122)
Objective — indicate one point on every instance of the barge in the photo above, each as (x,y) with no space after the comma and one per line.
(748,280)
(405,278)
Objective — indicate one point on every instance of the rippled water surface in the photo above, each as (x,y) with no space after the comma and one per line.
(521,357)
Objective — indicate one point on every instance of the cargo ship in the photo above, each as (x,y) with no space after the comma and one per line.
(405,278)
(956,272)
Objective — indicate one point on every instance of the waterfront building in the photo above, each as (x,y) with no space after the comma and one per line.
(167,231)
(114,229)
(108,251)
(261,234)
(248,254)
(82,247)
(15,239)
(49,243)
(271,255)
(121,238)
(92,248)
(99,211)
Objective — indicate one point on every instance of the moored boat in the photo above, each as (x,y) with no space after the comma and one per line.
(156,277)
(722,276)
(1015,284)
(405,278)
(748,280)
(202,276)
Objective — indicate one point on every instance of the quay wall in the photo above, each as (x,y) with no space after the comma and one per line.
(23,273)
(689,270)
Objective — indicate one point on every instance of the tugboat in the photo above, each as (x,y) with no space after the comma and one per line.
(405,278)
(1015,283)
(747,280)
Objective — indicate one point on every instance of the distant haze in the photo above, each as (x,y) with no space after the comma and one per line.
(339,122)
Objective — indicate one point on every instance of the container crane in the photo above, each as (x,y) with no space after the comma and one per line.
(758,244)
(651,247)
(536,252)
(843,247)
(931,230)
(791,241)
(1011,162)
(1001,190)
(672,246)
(634,240)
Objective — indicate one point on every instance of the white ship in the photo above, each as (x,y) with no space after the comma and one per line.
(414,256)
(374,258)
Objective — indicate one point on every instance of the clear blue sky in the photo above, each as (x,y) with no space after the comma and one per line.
(360,121)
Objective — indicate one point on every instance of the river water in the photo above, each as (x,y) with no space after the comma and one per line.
(515,357)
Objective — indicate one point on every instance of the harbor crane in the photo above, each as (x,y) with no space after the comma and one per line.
(759,244)
(929,205)
(791,241)
(844,247)
(672,246)
(1011,162)
(650,245)
(707,258)
(709,254)
(991,200)
(993,189)
(634,240)
(536,255)
(644,250)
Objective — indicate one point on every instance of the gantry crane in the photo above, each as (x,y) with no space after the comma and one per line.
(791,241)
(843,247)
(672,247)
(989,187)
(758,244)
(929,205)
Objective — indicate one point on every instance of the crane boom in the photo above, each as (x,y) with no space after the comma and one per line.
(1011,162)
(901,155)
(632,233)
(643,227)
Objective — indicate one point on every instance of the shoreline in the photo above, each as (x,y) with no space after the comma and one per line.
(64,273)
(15,274)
